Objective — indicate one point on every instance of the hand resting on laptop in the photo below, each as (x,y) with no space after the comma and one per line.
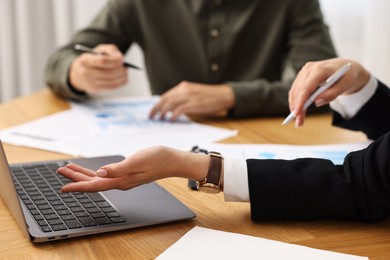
(140,168)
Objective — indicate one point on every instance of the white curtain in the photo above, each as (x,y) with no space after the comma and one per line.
(30,30)
(360,30)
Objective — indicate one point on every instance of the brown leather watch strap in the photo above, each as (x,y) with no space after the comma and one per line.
(215,168)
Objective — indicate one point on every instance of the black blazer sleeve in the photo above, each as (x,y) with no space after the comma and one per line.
(317,189)
(373,118)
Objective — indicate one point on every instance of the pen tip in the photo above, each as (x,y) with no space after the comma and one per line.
(288,119)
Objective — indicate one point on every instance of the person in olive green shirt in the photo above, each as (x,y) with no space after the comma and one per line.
(203,57)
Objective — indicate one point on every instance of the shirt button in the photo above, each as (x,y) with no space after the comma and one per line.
(214,33)
(214,67)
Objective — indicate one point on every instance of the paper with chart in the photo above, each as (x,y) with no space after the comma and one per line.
(227,245)
(334,152)
(110,126)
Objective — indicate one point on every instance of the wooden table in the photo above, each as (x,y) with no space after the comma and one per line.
(372,240)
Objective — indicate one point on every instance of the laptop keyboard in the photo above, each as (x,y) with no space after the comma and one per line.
(38,186)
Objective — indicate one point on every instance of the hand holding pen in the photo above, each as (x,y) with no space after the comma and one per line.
(84,48)
(99,69)
(314,85)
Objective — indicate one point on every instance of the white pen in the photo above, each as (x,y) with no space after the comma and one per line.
(324,86)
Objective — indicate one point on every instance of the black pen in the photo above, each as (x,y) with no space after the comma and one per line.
(83,48)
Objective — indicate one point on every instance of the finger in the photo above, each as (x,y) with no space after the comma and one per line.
(300,120)
(161,102)
(308,86)
(163,106)
(95,185)
(170,106)
(302,75)
(81,169)
(177,112)
(93,84)
(186,108)
(111,51)
(101,61)
(108,49)
(155,109)
(116,170)
(101,84)
(102,184)
(334,91)
(73,175)
(106,74)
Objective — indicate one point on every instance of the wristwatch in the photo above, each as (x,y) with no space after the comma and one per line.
(212,182)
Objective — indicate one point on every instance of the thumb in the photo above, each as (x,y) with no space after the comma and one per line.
(112,170)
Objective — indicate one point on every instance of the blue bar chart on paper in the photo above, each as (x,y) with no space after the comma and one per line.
(333,152)
(123,113)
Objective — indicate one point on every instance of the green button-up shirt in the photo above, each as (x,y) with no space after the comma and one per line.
(246,43)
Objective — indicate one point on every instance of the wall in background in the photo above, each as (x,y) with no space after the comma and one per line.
(25,38)
(31,30)
(360,30)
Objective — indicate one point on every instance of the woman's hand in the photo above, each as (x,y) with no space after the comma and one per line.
(314,73)
(142,167)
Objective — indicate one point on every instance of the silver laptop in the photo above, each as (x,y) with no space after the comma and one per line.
(31,192)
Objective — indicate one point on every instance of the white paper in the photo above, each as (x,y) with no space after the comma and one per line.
(334,152)
(203,243)
(110,126)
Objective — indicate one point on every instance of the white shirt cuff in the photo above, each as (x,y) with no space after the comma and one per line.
(235,182)
(348,105)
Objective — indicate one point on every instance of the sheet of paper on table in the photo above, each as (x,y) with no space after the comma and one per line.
(204,243)
(334,152)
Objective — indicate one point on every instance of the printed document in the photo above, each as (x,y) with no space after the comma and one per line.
(110,126)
